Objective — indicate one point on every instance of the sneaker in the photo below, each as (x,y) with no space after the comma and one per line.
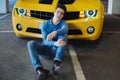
(43,74)
(56,69)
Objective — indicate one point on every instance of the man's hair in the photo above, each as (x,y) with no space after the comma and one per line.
(62,7)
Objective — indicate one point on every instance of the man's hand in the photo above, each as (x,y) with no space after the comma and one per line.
(60,42)
(51,35)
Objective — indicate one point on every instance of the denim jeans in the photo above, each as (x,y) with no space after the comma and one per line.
(50,52)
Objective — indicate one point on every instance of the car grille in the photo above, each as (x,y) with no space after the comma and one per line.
(41,15)
(70,32)
(49,15)
(71,15)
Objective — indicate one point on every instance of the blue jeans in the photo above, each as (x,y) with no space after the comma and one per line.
(51,52)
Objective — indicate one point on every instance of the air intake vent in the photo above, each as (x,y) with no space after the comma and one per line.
(33,30)
(45,1)
(66,1)
(75,32)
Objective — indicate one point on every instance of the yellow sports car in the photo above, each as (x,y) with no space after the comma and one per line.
(84,17)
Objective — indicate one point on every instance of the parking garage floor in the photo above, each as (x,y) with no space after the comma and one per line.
(98,60)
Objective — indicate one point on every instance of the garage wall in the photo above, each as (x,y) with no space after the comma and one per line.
(114,7)
(3,6)
(11,4)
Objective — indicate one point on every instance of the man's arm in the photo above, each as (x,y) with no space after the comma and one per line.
(62,40)
(63,30)
(45,34)
(47,38)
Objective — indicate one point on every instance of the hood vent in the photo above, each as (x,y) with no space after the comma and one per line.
(45,1)
(60,1)
(66,1)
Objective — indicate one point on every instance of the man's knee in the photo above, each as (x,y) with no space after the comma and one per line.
(61,48)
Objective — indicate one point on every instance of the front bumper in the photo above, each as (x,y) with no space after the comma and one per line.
(77,28)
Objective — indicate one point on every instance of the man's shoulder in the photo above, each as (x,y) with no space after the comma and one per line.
(47,21)
(44,23)
(63,21)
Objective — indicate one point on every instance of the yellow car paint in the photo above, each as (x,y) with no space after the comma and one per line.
(77,27)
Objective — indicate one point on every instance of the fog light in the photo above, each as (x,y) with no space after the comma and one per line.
(19,27)
(90,29)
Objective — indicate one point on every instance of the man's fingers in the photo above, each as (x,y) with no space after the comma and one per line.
(62,43)
(48,37)
(51,35)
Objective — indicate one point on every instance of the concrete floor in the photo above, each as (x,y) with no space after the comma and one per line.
(99,60)
(15,63)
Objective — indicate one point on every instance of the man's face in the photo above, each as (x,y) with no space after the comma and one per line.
(59,13)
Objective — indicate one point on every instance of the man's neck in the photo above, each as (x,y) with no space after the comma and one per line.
(55,21)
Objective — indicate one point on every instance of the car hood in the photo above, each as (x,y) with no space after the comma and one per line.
(77,5)
(84,5)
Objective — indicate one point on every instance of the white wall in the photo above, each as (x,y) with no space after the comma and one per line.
(11,4)
(114,7)
(3,6)
(6,5)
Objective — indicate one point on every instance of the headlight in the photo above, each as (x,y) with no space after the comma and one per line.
(21,12)
(91,13)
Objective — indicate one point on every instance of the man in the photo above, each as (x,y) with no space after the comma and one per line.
(54,33)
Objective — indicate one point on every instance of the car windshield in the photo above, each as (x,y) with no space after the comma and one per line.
(60,1)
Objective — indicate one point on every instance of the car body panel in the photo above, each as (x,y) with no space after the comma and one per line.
(74,24)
